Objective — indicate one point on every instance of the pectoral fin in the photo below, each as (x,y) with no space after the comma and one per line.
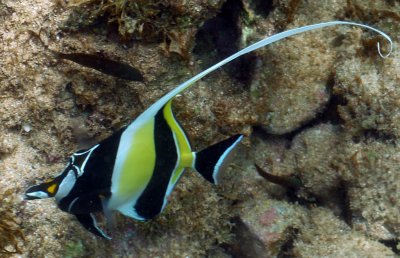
(88,221)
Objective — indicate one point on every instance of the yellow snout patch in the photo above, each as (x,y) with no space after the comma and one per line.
(52,188)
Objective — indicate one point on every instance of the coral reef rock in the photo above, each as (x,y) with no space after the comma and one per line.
(321,107)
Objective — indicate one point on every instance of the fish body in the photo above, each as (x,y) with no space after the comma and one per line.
(104,65)
(135,170)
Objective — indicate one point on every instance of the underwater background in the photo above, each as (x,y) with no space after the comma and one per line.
(317,175)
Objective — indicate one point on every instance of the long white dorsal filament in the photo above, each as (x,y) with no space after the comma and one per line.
(262,43)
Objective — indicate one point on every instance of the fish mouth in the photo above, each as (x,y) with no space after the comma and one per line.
(27,197)
(35,195)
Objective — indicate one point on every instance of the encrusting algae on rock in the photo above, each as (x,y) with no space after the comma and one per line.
(11,235)
(174,23)
(134,170)
(55,96)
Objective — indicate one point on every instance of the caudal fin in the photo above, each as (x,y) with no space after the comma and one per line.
(212,159)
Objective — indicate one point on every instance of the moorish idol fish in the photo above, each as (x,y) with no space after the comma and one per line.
(135,169)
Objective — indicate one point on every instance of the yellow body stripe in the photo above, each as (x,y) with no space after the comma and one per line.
(139,163)
(185,152)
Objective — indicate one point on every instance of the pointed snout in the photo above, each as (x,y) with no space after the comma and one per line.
(36,192)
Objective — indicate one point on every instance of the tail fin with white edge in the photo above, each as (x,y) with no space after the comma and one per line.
(211,160)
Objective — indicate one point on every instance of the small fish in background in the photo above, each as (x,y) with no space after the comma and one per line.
(104,65)
(135,170)
(107,66)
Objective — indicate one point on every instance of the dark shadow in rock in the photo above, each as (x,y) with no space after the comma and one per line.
(286,250)
(262,7)
(219,38)
(295,191)
(380,136)
(392,244)
(245,244)
(343,202)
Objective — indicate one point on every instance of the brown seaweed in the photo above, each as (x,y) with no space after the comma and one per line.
(104,65)
(10,234)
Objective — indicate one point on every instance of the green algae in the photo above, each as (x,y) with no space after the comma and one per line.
(74,249)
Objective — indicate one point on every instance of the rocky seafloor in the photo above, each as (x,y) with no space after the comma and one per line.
(318,174)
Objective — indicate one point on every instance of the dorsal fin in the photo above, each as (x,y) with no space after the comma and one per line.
(152,110)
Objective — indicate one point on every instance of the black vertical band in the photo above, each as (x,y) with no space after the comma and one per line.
(150,203)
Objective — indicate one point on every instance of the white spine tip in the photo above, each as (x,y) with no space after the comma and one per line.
(390,50)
